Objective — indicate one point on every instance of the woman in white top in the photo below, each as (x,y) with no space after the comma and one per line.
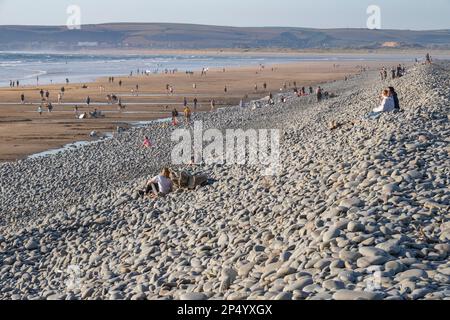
(160,184)
(387,103)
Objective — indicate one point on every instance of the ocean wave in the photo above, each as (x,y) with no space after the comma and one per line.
(37,73)
(11,63)
(111,61)
(156,62)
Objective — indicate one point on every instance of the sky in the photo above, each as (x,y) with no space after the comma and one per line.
(395,14)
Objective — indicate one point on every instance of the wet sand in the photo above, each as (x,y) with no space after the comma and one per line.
(24,132)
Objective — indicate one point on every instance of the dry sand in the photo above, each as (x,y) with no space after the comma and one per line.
(24,132)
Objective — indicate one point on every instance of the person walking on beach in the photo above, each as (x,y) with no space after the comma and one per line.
(225,89)
(319,94)
(22,98)
(120,105)
(195,103)
(75,109)
(120,83)
(271,100)
(42,94)
(47,95)
(185,102)
(175,117)
(88,100)
(40,110)
(213,104)
(399,71)
(188,114)
(59,98)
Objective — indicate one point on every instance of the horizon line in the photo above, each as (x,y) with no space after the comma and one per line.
(221,26)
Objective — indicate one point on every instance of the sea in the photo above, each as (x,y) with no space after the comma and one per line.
(29,67)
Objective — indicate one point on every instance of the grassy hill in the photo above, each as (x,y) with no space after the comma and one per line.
(184,36)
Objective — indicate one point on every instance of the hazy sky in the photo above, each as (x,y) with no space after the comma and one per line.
(396,14)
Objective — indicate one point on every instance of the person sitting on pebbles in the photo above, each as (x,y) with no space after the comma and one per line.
(394,96)
(147,143)
(161,185)
(387,105)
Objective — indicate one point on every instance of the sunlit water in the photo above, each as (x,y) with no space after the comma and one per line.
(56,68)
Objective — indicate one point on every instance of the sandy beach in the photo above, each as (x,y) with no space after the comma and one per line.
(24,132)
